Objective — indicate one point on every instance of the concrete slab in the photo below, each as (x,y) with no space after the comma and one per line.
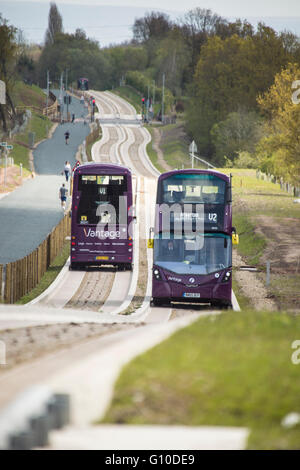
(122,437)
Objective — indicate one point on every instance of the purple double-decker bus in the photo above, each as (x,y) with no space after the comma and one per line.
(192,243)
(102,216)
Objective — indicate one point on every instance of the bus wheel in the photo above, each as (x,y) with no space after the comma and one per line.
(220,305)
(215,304)
(156,302)
(129,267)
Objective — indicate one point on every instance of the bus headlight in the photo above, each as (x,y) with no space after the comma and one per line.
(157,274)
(227,276)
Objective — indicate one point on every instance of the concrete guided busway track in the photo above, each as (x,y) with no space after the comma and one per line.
(99,296)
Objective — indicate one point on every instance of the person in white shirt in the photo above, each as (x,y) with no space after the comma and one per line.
(67,170)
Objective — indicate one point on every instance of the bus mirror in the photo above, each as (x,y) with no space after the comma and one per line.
(235,239)
(150,243)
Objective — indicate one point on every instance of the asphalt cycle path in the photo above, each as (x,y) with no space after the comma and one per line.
(28,214)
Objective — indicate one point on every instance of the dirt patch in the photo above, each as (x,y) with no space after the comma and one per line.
(174,133)
(252,286)
(283,252)
(283,249)
(25,344)
(13,179)
(156,146)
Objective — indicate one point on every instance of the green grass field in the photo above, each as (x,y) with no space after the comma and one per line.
(228,370)
(262,197)
(174,145)
(38,124)
(27,96)
(130,95)
(152,153)
(252,198)
(135,98)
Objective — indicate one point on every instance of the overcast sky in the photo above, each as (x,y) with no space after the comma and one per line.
(113,25)
(237,8)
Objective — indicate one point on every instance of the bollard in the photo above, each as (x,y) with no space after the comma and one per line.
(62,406)
(268,273)
(21,170)
(40,429)
(21,441)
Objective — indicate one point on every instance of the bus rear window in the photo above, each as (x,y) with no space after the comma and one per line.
(97,193)
(102,180)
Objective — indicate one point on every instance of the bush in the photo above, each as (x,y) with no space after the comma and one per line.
(245,160)
(140,82)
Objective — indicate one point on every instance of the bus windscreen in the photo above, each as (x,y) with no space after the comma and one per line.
(195,254)
(192,189)
(98,194)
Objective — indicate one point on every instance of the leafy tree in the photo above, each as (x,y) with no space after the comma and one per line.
(172,58)
(197,25)
(80,55)
(154,25)
(141,82)
(239,132)
(55,24)
(229,74)
(125,58)
(279,149)
(149,31)
(8,55)
(225,29)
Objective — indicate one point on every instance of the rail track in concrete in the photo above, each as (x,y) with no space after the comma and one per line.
(100,296)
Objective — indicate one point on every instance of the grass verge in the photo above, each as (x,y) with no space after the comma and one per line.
(243,301)
(251,244)
(49,276)
(90,145)
(38,124)
(130,95)
(175,146)
(267,220)
(227,370)
(28,95)
(152,153)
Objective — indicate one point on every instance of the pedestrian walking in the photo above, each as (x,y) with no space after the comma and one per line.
(63,192)
(67,136)
(73,118)
(67,170)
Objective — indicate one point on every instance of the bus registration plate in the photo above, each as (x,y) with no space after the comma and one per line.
(99,258)
(193,295)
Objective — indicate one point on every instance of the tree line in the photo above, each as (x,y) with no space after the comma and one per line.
(223,73)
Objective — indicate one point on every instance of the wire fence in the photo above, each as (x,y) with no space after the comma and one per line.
(288,187)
